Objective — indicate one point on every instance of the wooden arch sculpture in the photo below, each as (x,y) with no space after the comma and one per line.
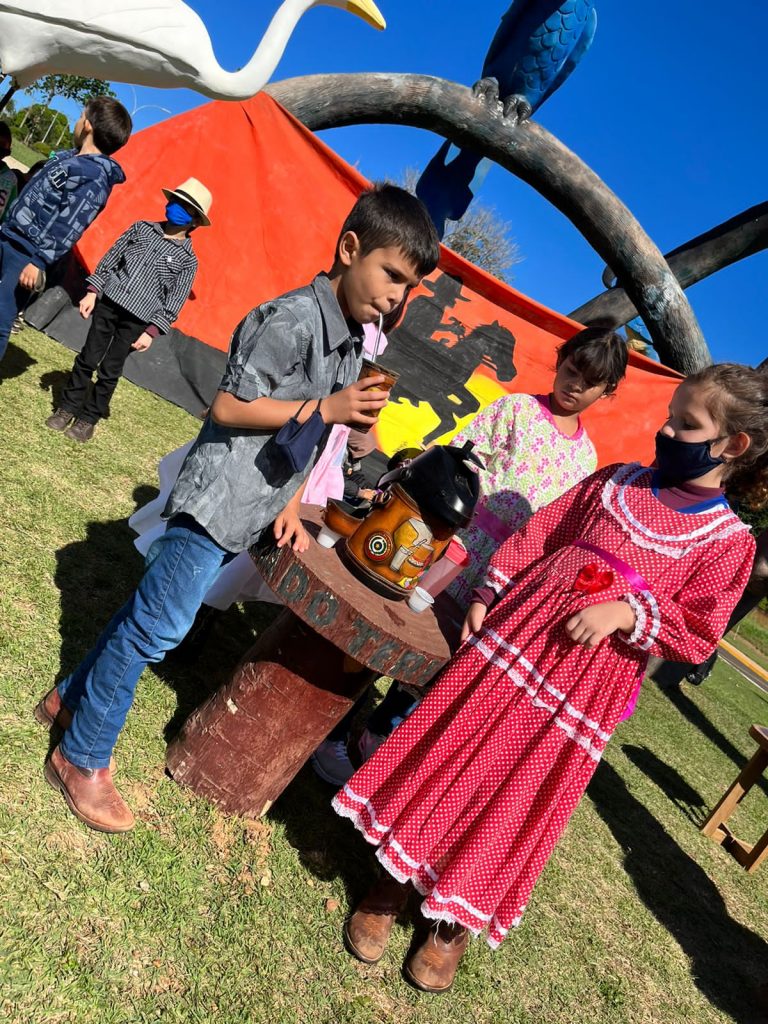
(532,154)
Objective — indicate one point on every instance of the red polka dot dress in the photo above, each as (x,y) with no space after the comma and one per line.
(469,796)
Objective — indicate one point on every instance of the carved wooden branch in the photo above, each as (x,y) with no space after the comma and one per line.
(734,240)
(531,153)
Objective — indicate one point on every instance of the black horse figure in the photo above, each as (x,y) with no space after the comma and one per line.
(436,371)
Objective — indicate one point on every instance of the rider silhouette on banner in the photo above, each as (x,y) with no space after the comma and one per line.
(435,370)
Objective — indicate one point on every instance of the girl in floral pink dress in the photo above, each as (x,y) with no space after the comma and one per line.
(469,796)
(535,448)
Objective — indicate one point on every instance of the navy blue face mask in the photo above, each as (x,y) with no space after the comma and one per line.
(176,214)
(680,461)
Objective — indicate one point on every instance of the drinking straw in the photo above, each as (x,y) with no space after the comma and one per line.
(378,338)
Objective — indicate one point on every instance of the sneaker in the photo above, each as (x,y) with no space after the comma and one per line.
(331,762)
(18,324)
(369,743)
(60,419)
(80,430)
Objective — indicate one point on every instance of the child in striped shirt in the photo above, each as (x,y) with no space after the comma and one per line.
(135,293)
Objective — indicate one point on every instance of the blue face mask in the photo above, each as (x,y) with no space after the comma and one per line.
(680,461)
(176,214)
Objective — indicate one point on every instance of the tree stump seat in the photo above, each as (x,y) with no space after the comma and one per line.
(335,635)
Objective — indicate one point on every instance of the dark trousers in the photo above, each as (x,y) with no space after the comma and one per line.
(396,705)
(113,332)
(12,296)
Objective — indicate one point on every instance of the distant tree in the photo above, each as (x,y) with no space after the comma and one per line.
(480,236)
(41,124)
(69,87)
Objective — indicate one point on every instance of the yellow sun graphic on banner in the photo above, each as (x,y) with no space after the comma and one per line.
(401,425)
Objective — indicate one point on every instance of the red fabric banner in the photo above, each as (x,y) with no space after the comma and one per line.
(279,198)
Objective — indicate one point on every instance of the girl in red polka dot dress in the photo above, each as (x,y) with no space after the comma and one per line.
(468,797)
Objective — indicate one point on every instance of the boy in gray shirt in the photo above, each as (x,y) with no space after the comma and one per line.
(233,485)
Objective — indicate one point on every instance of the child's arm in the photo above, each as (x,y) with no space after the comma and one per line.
(353,407)
(687,625)
(289,529)
(552,527)
(269,348)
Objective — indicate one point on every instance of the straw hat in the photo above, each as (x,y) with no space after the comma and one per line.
(194,194)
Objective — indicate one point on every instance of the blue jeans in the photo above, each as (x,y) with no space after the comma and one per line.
(181,566)
(12,295)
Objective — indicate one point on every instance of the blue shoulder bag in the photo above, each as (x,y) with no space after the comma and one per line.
(296,441)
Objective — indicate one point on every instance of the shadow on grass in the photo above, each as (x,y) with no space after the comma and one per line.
(95,577)
(670,782)
(327,846)
(666,677)
(53,381)
(15,362)
(728,961)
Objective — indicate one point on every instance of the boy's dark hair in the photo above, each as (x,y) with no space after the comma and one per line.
(5,132)
(111,123)
(385,216)
(599,354)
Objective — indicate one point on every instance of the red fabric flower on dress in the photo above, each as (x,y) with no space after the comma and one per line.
(591,579)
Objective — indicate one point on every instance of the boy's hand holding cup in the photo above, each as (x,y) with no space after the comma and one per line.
(359,404)
(376,379)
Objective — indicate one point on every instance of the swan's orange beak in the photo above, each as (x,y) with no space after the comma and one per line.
(368,11)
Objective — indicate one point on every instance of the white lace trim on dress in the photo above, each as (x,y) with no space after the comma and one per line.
(674,545)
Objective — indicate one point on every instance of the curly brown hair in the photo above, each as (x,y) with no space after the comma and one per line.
(736,397)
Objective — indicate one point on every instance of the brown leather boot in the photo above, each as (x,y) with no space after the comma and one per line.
(80,430)
(90,794)
(60,419)
(432,967)
(51,712)
(367,931)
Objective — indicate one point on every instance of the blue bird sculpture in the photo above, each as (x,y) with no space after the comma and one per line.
(536,47)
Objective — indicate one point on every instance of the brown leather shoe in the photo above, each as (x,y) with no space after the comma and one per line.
(367,931)
(50,711)
(80,431)
(90,794)
(60,419)
(432,967)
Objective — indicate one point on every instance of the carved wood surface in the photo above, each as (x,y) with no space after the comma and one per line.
(534,155)
(381,633)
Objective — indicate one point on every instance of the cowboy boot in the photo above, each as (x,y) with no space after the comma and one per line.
(432,967)
(90,794)
(51,712)
(367,931)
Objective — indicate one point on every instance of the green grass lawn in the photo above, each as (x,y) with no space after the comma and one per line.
(25,154)
(198,917)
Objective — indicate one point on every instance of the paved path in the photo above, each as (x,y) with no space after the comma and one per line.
(746,666)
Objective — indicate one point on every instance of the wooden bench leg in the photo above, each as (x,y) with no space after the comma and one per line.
(750,773)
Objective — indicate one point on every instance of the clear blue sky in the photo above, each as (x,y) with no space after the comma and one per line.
(668,107)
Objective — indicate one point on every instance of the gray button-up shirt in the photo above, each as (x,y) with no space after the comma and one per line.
(233,481)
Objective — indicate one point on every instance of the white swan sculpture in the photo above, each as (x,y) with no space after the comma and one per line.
(160,43)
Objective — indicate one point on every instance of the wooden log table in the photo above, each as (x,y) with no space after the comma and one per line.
(244,745)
